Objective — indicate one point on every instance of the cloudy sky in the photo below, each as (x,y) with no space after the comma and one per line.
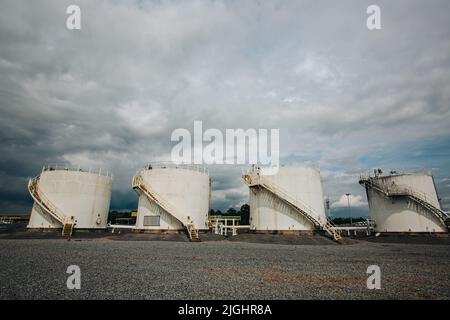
(346,99)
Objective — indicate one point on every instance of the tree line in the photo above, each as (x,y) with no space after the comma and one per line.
(243,212)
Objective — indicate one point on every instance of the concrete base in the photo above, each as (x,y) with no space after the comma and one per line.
(284,232)
(44,229)
(154,231)
(413,234)
(60,230)
(165,231)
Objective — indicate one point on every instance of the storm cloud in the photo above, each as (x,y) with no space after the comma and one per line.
(345,98)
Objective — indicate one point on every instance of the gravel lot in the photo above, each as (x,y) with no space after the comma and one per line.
(111,269)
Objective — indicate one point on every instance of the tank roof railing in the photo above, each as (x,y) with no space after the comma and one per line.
(258,168)
(224,217)
(68,167)
(254,169)
(172,165)
(249,171)
(371,173)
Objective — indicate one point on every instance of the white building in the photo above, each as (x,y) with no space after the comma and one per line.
(405,203)
(72,196)
(172,198)
(291,200)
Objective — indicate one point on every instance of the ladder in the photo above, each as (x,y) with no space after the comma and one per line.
(138,183)
(192,232)
(416,197)
(67,230)
(48,207)
(253,180)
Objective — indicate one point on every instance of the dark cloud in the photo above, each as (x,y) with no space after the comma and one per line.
(111,94)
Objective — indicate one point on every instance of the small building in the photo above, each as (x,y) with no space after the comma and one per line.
(71,198)
(405,203)
(290,201)
(172,198)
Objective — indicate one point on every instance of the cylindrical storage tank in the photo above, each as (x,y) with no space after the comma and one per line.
(185,189)
(400,214)
(76,193)
(268,212)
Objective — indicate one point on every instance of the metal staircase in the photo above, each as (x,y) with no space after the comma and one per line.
(67,230)
(254,180)
(138,183)
(419,198)
(193,233)
(40,198)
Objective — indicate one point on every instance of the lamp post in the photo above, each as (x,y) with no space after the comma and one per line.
(327,208)
(348,202)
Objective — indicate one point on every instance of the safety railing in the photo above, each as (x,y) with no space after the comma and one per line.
(68,167)
(43,201)
(254,178)
(138,183)
(396,190)
(172,165)
(46,205)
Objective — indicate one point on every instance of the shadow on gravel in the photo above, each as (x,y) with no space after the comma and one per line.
(410,239)
(19,231)
(283,239)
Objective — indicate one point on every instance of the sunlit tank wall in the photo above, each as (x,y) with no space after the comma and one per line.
(268,212)
(83,195)
(187,190)
(400,214)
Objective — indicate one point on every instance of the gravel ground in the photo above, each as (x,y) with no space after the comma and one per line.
(110,269)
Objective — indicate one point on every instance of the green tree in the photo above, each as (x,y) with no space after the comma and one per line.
(245,214)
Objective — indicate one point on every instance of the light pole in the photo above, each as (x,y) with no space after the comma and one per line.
(327,208)
(348,202)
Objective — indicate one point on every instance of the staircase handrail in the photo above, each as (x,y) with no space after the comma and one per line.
(402,190)
(306,210)
(41,199)
(138,182)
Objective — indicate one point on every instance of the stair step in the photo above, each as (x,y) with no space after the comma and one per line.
(410,194)
(67,229)
(328,227)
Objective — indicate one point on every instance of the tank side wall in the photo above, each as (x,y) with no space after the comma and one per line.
(420,183)
(148,208)
(85,196)
(186,190)
(400,214)
(268,212)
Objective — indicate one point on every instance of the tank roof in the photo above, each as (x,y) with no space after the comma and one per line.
(379,174)
(67,167)
(171,165)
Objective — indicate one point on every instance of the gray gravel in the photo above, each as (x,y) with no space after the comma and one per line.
(36,269)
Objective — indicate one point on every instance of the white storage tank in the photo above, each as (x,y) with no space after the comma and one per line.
(395,203)
(300,185)
(171,197)
(82,196)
